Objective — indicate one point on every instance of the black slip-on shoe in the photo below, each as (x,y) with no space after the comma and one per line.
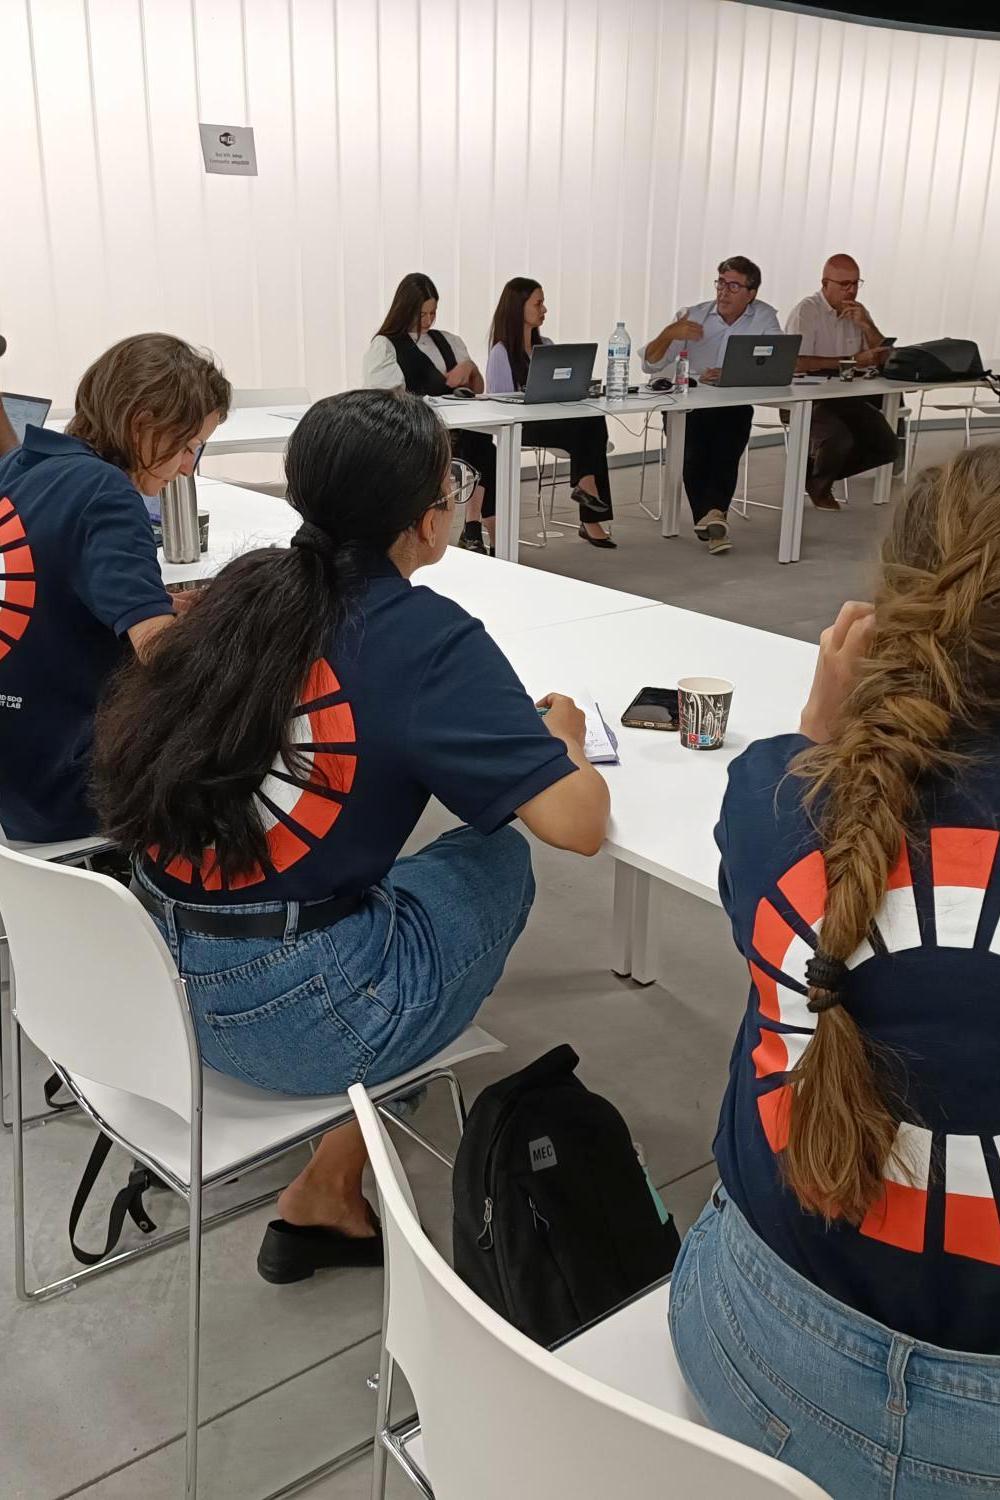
(293,1252)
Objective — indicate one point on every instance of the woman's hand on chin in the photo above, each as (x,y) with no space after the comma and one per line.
(842,648)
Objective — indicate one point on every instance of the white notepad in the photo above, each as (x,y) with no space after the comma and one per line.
(600,746)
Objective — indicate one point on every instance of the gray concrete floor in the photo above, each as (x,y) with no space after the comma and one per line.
(92,1384)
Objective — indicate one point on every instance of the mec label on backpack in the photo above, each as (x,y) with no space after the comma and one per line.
(554,1220)
(543,1154)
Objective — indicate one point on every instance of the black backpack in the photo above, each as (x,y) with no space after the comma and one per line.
(937,360)
(555,1222)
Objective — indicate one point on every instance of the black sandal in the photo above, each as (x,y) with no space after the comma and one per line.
(294,1252)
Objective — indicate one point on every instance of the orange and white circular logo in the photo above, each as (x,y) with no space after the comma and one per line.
(17,578)
(297,808)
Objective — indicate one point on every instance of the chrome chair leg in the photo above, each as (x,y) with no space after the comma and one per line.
(543,535)
(194,1312)
(380,1453)
(20,1282)
(457,1101)
(654,515)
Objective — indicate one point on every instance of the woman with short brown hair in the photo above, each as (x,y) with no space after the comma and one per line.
(78,565)
(838,1301)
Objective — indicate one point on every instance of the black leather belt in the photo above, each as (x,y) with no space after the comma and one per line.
(261,924)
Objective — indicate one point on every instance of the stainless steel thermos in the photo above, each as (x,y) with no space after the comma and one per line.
(179,520)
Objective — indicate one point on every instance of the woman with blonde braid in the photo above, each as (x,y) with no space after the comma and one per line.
(838,1301)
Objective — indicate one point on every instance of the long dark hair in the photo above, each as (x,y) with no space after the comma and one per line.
(507,327)
(184,741)
(413,291)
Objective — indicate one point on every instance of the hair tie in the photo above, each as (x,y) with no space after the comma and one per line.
(828,975)
(314,539)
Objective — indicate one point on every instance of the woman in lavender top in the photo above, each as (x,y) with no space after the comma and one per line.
(514,333)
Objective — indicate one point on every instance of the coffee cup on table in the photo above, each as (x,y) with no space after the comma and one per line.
(848,368)
(703,707)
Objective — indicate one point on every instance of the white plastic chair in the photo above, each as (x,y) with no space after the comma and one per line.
(500,1416)
(124,1041)
(254,470)
(966,401)
(651,417)
(63,851)
(278,395)
(552,480)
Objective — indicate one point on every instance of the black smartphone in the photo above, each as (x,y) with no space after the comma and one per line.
(652,708)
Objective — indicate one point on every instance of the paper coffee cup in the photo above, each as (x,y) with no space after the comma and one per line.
(847,369)
(703,705)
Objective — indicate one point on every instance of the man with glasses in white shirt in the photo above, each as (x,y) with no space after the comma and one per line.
(849,435)
(715,440)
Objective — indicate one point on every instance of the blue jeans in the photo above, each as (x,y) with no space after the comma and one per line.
(377,993)
(776,1363)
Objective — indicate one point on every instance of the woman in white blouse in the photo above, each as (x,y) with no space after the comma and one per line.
(515,331)
(409,351)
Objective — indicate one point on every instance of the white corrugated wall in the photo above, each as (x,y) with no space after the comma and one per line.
(615,151)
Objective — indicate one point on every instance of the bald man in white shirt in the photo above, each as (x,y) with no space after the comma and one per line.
(849,435)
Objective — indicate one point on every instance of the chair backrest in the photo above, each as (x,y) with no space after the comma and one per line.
(501,1416)
(279,395)
(96,988)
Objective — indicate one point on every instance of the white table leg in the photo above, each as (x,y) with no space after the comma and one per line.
(635,928)
(671,506)
(883,476)
(623,904)
(645,929)
(508,490)
(793,499)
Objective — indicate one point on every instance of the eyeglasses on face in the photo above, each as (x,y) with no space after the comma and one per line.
(731,286)
(460,483)
(856,283)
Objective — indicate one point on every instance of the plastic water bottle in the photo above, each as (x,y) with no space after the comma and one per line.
(682,368)
(619,354)
(682,375)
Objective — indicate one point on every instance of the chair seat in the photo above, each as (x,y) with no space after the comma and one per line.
(243,1124)
(61,849)
(632,1352)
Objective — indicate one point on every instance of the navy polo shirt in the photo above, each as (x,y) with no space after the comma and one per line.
(78,568)
(923,988)
(412,700)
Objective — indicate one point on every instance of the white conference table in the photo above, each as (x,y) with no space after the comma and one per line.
(267,430)
(504,597)
(798,398)
(262,429)
(665,800)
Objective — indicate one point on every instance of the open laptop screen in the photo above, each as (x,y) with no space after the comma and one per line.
(24,409)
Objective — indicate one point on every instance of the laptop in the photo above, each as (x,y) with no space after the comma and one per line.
(556,372)
(760,359)
(24,409)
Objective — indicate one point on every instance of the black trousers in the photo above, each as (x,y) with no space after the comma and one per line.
(478,449)
(846,437)
(713,446)
(585,439)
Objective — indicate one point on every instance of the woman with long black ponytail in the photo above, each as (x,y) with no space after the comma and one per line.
(268,763)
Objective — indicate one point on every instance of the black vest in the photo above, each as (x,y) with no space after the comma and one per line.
(421,375)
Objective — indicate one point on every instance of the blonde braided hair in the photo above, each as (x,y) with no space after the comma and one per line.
(932,677)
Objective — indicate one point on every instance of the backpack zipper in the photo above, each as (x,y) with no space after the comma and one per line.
(483,1242)
(537,1215)
(485,1238)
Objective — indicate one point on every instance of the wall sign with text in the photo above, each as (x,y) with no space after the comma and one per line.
(229,150)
